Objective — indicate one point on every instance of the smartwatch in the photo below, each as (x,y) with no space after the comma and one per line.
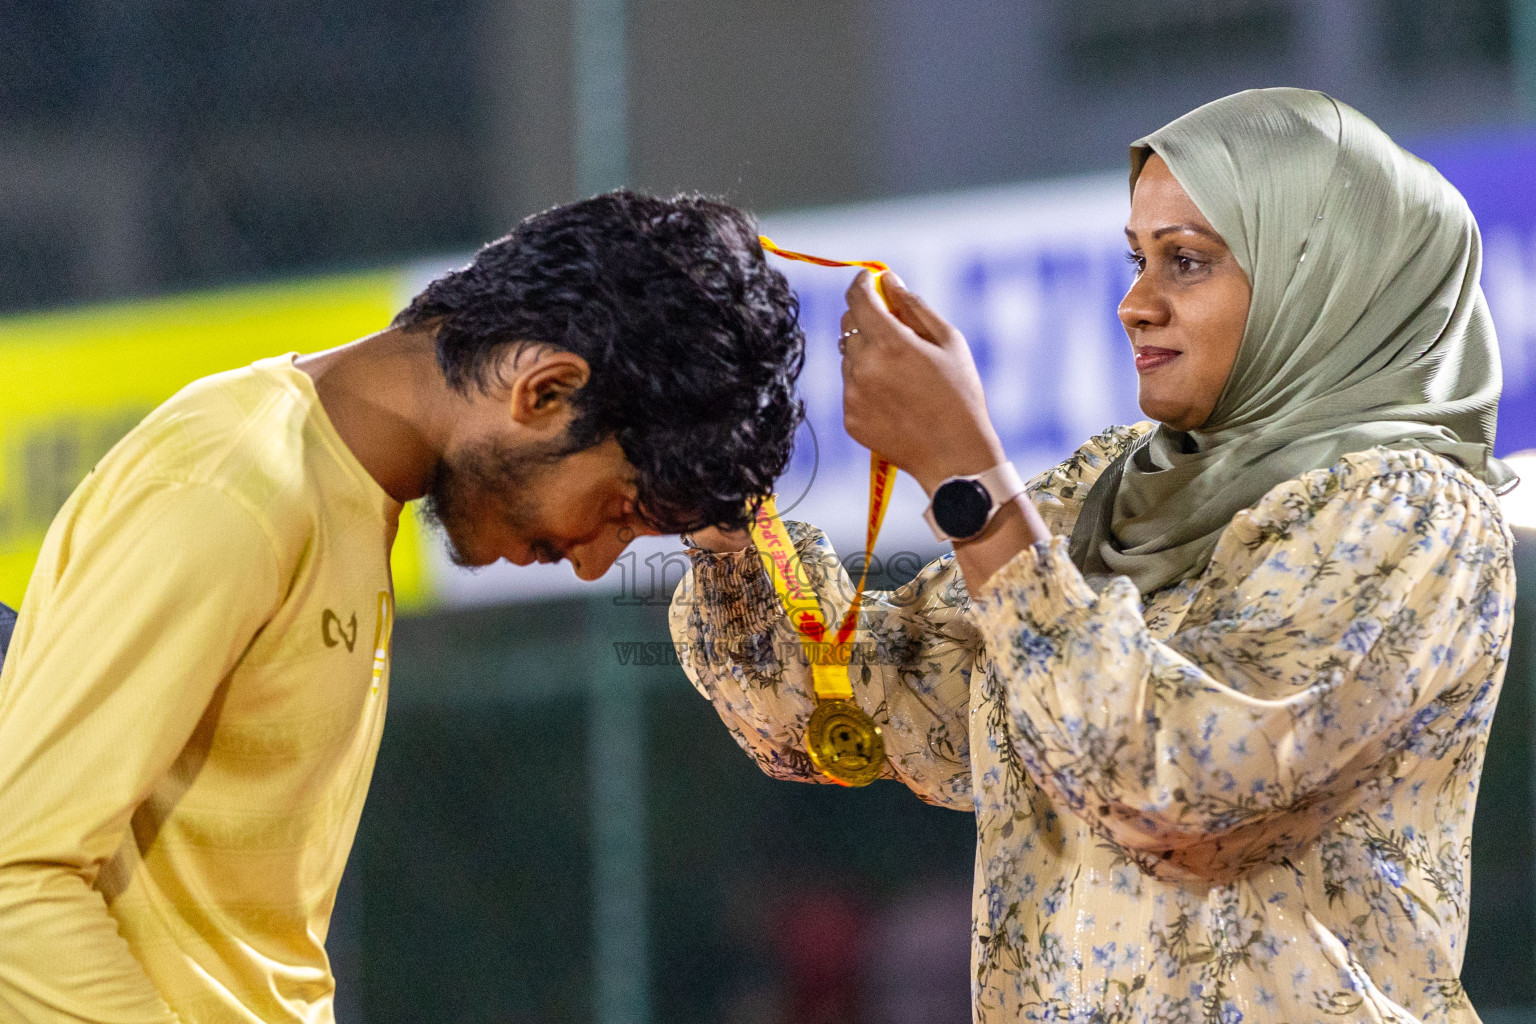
(962,506)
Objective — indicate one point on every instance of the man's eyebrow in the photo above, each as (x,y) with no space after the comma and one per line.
(1169,229)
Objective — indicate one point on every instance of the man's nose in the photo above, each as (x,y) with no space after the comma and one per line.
(594,559)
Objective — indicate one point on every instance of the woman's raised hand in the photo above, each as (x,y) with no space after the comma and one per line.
(910,387)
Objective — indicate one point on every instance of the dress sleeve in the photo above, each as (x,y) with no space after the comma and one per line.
(912,663)
(1358,623)
(116,658)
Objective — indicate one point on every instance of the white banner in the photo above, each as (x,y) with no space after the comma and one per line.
(1032,274)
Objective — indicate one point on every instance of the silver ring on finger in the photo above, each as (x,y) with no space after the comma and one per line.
(842,340)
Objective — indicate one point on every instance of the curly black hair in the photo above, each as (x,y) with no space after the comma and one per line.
(693,341)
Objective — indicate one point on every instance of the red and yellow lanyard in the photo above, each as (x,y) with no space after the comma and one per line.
(830,663)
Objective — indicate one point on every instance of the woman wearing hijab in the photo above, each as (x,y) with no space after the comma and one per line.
(1216,688)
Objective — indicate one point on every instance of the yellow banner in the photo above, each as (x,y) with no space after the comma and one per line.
(73,382)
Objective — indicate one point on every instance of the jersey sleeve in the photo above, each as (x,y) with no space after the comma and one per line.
(131,624)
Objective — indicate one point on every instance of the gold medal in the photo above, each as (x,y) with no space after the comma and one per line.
(844,743)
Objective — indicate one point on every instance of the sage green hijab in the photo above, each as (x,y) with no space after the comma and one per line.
(1367,327)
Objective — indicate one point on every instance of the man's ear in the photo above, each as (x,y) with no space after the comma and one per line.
(542,390)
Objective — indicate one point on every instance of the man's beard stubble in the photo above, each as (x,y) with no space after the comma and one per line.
(490,480)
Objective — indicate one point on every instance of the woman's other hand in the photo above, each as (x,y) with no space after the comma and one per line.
(910,387)
(719,542)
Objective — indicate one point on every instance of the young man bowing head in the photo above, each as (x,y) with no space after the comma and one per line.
(192,703)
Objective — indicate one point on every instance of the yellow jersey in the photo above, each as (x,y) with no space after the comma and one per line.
(189,716)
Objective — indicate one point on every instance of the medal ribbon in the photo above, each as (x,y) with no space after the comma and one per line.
(875,266)
(830,664)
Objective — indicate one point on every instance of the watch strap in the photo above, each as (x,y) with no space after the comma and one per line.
(1002,483)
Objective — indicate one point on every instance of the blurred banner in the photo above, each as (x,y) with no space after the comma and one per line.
(75,382)
(1495,173)
(1032,274)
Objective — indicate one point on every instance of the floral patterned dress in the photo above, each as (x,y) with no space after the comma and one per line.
(1247,798)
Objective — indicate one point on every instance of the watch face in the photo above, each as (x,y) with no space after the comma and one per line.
(960,508)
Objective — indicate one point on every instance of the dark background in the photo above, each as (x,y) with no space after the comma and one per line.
(152,147)
(156,145)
